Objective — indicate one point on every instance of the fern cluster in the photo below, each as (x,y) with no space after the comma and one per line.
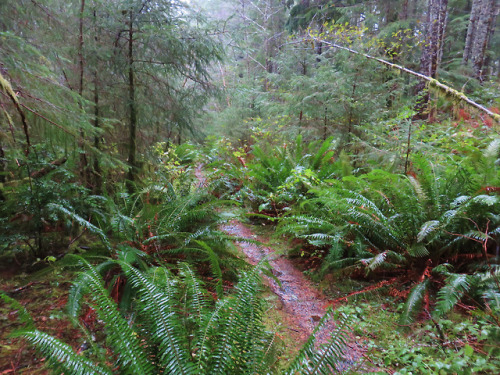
(175,327)
(406,226)
(277,177)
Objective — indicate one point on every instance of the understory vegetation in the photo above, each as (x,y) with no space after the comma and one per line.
(360,138)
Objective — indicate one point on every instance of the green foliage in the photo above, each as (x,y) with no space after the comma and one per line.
(381,222)
(469,345)
(61,356)
(277,177)
(329,358)
(414,301)
(44,206)
(170,224)
(175,327)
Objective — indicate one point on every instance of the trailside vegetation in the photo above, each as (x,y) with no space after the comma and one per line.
(360,137)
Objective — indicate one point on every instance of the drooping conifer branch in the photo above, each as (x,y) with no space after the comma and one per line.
(7,89)
(432,82)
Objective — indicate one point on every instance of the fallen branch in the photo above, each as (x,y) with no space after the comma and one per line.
(7,88)
(366,290)
(432,82)
(22,288)
(42,172)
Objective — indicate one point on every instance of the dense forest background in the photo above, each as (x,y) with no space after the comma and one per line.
(363,135)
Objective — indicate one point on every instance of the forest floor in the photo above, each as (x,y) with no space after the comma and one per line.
(297,304)
(44,299)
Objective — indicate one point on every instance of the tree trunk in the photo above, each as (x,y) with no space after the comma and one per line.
(471,30)
(436,25)
(325,123)
(432,50)
(81,143)
(403,16)
(484,26)
(133,111)
(97,168)
(80,49)
(3,169)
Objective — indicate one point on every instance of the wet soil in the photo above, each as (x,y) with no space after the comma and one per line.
(302,305)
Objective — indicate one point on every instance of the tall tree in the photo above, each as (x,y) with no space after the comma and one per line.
(132,143)
(432,50)
(165,51)
(434,34)
(481,26)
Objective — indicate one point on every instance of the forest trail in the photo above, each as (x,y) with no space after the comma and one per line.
(302,304)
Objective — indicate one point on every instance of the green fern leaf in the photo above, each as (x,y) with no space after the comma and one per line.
(413,302)
(428,228)
(448,296)
(156,307)
(328,357)
(418,250)
(81,221)
(61,355)
(215,266)
(23,314)
(121,337)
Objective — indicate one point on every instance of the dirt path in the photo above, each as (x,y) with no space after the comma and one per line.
(302,304)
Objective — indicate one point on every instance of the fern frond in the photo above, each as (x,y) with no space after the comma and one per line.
(80,286)
(123,226)
(22,313)
(215,266)
(121,337)
(207,331)
(326,359)
(413,302)
(376,261)
(428,228)
(454,289)
(420,193)
(318,156)
(167,332)
(418,251)
(242,329)
(62,357)
(493,298)
(195,293)
(442,269)
(493,149)
(81,221)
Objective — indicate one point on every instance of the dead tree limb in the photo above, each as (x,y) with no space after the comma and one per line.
(7,89)
(432,82)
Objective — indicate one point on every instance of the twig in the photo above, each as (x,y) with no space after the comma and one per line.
(439,329)
(49,121)
(21,288)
